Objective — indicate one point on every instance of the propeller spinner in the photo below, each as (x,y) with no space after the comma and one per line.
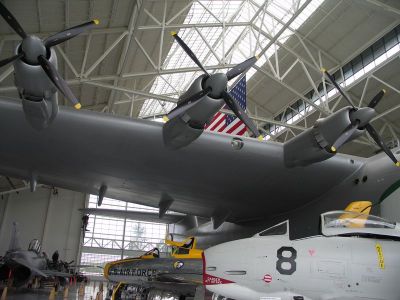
(360,119)
(34,51)
(215,86)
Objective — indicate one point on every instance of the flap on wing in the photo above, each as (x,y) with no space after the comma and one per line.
(135,215)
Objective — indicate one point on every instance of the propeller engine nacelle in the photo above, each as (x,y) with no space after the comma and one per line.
(30,78)
(315,144)
(36,90)
(207,95)
(329,134)
(188,126)
(36,75)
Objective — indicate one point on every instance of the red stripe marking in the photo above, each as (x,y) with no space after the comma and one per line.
(209,279)
(213,119)
(241,132)
(234,127)
(217,123)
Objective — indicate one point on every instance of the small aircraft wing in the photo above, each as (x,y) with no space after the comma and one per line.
(52,273)
(29,266)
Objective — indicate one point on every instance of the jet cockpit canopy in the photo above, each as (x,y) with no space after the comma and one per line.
(354,223)
(281,229)
(34,246)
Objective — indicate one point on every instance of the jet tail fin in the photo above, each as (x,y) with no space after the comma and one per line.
(363,207)
(188,243)
(14,241)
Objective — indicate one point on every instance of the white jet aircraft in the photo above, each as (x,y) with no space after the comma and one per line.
(355,257)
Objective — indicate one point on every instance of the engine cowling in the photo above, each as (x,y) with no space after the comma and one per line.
(31,80)
(314,145)
(38,93)
(184,129)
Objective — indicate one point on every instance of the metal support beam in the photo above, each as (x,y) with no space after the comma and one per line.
(6,73)
(385,6)
(66,59)
(298,94)
(198,25)
(101,58)
(134,92)
(136,11)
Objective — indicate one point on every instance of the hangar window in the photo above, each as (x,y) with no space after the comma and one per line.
(369,59)
(280,229)
(111,237)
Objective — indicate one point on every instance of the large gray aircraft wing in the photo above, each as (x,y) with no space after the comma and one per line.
(84,150)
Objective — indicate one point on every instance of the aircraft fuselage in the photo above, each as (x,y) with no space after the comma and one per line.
(307,269)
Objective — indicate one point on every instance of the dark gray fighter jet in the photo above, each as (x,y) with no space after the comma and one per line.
(250,183)
(21,266)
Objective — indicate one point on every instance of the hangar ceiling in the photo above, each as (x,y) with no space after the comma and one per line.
(130,65)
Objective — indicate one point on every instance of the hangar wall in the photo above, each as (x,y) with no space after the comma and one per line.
(49,215)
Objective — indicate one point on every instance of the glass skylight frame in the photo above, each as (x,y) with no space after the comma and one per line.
(241,38)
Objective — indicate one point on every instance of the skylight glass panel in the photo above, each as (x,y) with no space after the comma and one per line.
(230,44)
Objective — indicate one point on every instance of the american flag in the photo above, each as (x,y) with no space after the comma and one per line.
(228,123)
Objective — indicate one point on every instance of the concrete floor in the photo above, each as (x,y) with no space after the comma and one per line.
(90,293)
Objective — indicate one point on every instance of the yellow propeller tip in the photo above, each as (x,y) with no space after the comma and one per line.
(257,56)
(78,106)
(96,21)
(398,164)
(333,149)
(323,70)
(173,33)
(165,118)
(384,91)
(260,138)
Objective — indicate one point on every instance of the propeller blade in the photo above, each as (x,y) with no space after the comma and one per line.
(374,102)
(337,86)
(185,104)
(10,59)
(241,114)
(58,81)
(9,18)
(241,68)
(372,132)
(188,51)
(344,137)
(196,96)
(69,33)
